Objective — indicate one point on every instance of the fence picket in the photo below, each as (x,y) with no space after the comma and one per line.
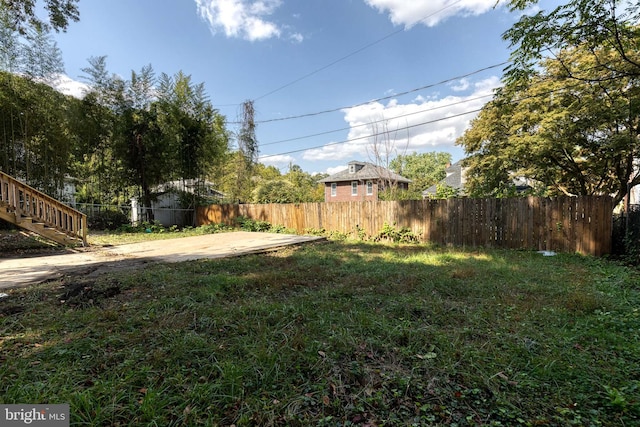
(569,224)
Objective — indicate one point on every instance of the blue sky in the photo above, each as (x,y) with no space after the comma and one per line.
(306,57)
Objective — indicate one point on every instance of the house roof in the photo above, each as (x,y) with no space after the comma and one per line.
(453,179)
(189,186)
(364,171)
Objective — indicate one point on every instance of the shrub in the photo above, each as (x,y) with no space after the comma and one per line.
(248,224)
(143,227)
(107,220)
(396,235)
(213,228)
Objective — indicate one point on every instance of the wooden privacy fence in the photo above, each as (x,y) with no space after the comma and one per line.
(565,224)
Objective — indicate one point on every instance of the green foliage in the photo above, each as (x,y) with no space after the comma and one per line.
(296,186)
(573,137)
(444,191)
(143,227)
(248,224)
(276,191)
(213,228)
(397,235)
(34,146)
(150,130)
(626,236)
(107,220)
(605,27)
(424,170)
(21,14)
(567,116)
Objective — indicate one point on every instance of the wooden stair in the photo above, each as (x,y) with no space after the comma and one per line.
(39,213)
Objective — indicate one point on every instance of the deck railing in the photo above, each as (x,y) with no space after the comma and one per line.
(26,202)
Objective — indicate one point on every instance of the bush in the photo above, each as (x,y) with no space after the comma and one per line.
(213,228)
(107,220)
(248,224)
(396,235)
(626,236)
(143,227)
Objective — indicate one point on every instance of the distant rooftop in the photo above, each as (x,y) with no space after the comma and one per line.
(364,171)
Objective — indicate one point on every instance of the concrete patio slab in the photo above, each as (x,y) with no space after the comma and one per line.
(31,270)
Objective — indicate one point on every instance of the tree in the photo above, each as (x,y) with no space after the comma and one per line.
(247,152)
(10,48)
(21,14)
(41,57)
(97,166)
(35,128)
(574,136)
(424,170)
(606,29)
(296,186)
(156,130)
(382,150)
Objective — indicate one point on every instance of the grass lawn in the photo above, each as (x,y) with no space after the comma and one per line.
(334,334)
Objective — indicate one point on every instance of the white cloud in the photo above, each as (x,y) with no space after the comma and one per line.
(424,124)
(428,12)
(245,19)
(463,84)
(336,169)
(296,37)
(68,86)
(276,160)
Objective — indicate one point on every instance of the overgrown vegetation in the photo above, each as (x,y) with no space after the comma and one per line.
(626,236)
(107,220)
(334,334)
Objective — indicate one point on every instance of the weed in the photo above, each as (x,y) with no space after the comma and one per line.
(396,235)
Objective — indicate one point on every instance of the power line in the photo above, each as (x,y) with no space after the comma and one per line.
(427,86)
(353,53)
(372,135)
(515,101)
(385,119)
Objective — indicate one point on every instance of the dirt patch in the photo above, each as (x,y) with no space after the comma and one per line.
(10,309)
(84,293)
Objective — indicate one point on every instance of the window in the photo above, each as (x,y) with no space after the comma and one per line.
(354,188)
(369,188)
(334,189)
(352,168)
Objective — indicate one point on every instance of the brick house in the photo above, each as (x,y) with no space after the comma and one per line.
(361,181)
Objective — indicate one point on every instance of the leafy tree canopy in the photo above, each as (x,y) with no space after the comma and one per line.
(296,186)
(21,14)
(607,29)
(424,170)
(573,136)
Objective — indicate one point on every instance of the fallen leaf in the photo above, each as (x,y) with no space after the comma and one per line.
(326,400)
(426,356)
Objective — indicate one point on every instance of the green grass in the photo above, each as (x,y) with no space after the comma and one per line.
(334,334)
